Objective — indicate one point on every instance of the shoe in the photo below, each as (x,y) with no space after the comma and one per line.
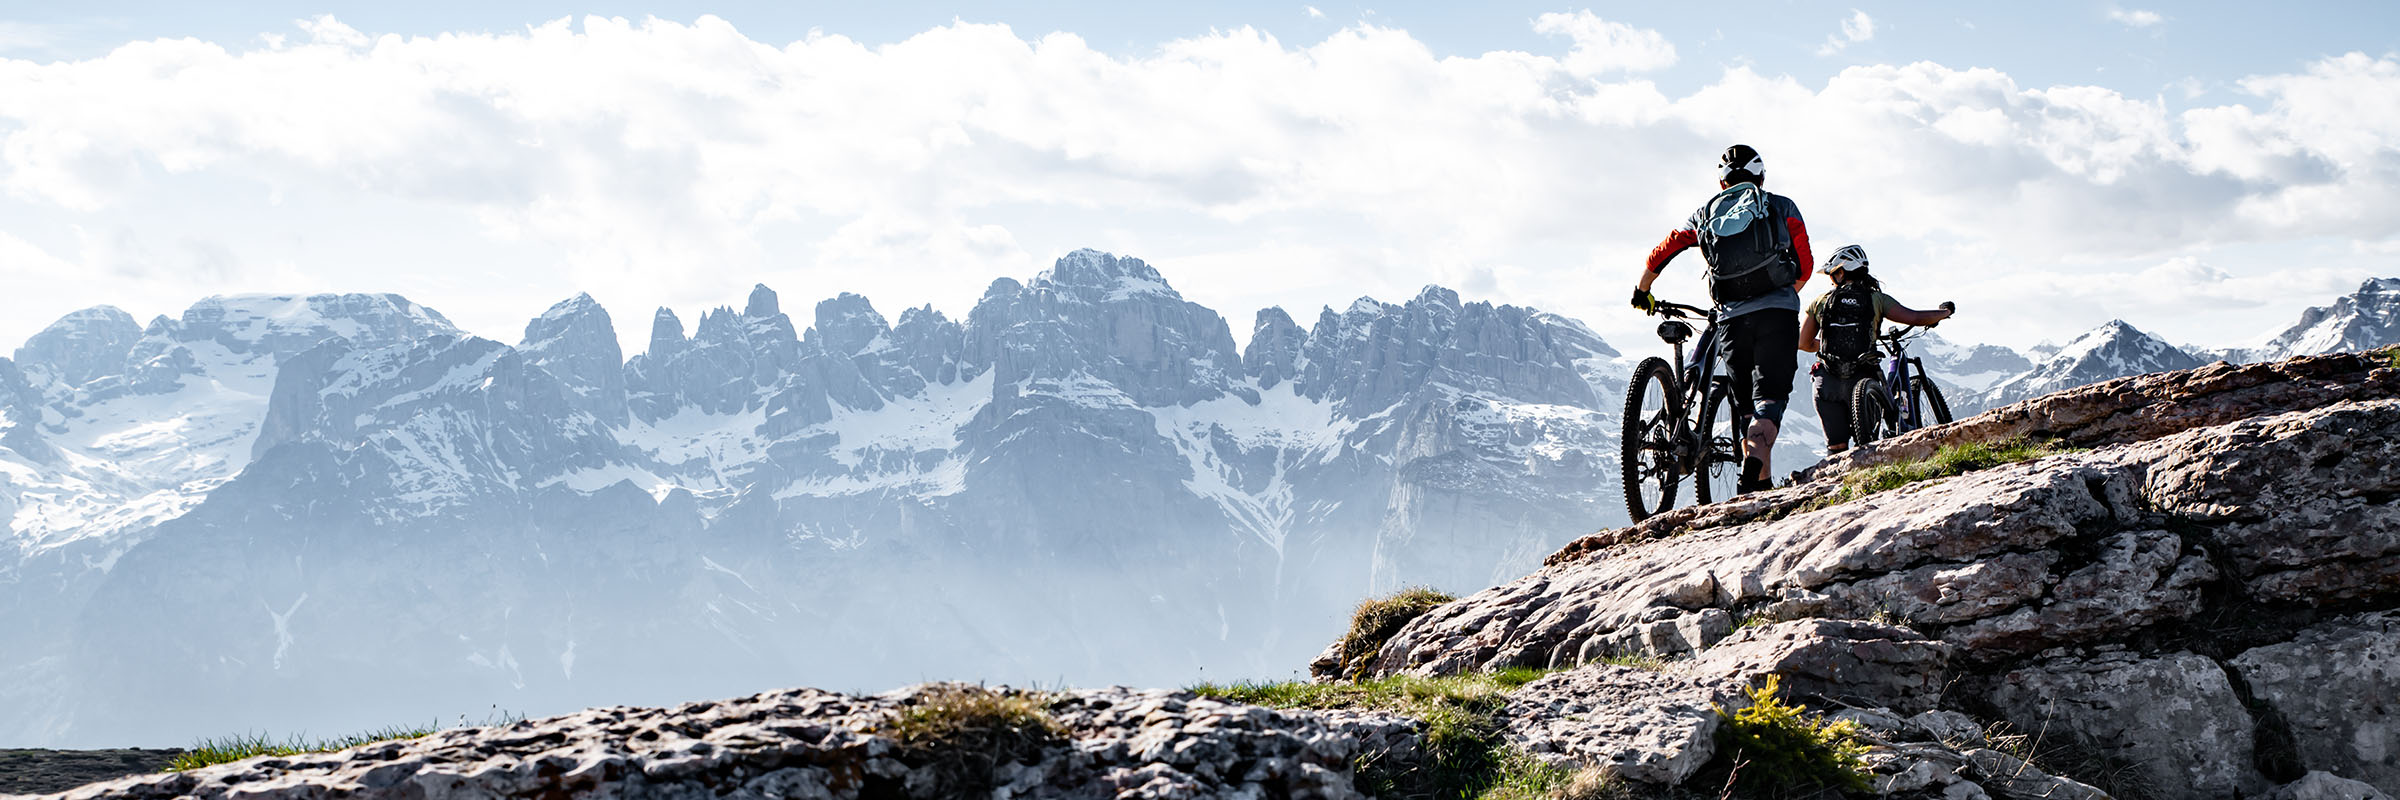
(1752,466)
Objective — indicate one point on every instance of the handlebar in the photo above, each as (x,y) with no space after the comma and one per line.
(1678,310)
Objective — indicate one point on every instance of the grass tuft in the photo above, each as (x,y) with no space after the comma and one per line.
(966,732)
(1782,748)
(1462,720)
(2391,357)
(1378,619)
(228,749)
(1950,460)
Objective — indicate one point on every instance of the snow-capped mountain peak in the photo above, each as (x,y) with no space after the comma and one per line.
(2364,320)
(2112,350)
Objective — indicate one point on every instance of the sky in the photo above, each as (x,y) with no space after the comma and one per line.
(2202,170)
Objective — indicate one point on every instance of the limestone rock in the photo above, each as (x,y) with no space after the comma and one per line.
(2334,687)
(1652,727)
(2174,719)
(2326,786)
(2146,407)
(810,743)
(1844,661)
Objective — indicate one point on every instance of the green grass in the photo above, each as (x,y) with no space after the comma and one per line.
(1462,731)
(228,749)
(1378,619)
(1950,460)
(1779,747)
(1640,661)
(2391,357)
(965,732)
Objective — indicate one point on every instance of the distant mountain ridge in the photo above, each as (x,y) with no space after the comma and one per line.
(1084,477)
(271,495)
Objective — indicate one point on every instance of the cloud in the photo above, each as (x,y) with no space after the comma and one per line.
(2136,18)
(1313,13)
(1603,47)
(653,161)
(1858,28)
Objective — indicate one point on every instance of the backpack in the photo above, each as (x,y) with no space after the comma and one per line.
(1848,324)
(1748,250)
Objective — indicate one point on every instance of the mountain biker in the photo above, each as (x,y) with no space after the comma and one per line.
(1841,328)
(1757,252)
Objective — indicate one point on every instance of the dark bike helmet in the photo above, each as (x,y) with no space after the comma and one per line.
(1741,164)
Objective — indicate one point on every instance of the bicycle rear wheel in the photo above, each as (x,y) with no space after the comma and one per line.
(1723,431)
(1930,402)
(1871,412)
(1647,443)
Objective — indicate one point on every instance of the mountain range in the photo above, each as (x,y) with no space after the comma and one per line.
(226,520)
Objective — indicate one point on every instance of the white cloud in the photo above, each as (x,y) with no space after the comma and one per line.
(1858,28)
(2137,18)
(1313,13)
(1604,47)
(650,162)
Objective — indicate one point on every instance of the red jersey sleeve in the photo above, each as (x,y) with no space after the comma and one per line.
(1682,239)
(1808,261)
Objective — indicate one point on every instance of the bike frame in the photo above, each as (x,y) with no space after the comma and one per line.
(1705,370)
(1896,381)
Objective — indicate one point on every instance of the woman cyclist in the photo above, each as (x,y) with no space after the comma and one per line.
(1841,327)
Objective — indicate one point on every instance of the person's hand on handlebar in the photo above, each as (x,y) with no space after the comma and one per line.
(1644,300)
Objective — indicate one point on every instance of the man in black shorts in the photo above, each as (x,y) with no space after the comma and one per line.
(1757,252)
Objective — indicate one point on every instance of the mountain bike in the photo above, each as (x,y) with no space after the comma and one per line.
(1901,399)
(1681,420)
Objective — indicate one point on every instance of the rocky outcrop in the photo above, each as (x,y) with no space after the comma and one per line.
(2331,689)
(814,744)
(2145,407)
(2194,571)
(1640,725)
(1844,662)
(1631,725)
(2173,718)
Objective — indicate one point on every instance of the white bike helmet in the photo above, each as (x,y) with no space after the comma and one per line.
(1849,257)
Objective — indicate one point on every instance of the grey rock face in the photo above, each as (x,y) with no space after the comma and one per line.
(2326,786)
(808,743)
(2224,535)
(1275,346)
(577,344)
(1639,725)
(82,345)
(1114,319)
(2174,718)
(2333,687)
(1844,661)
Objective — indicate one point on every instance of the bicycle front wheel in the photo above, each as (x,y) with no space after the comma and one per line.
(1724,428)
(1871,412)
(1930,402)
(1647,443)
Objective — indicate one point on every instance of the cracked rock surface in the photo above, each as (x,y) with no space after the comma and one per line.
(813,744)
(2231,581)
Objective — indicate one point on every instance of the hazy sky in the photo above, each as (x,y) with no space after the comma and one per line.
(2203,170)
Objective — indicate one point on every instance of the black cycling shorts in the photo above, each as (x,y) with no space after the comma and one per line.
(1763,351)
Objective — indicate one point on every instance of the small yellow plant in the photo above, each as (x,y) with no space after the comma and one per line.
(1782,747)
